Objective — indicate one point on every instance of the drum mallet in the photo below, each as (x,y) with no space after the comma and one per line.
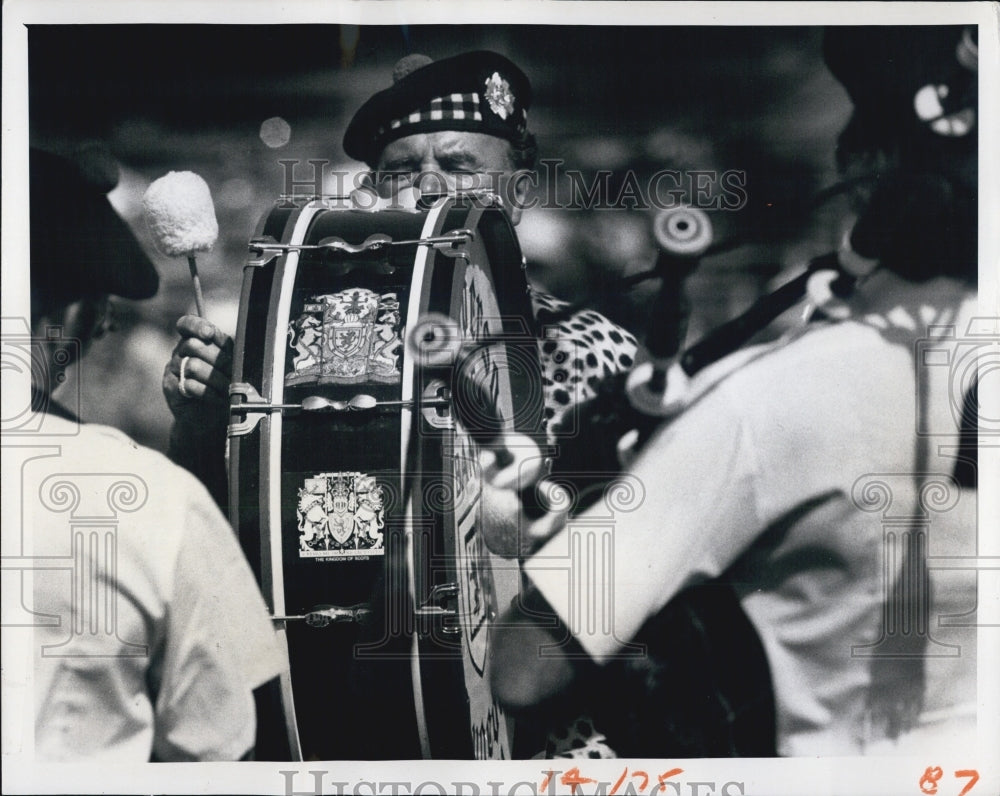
(181,217)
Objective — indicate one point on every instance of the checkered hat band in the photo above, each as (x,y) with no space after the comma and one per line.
(452,106)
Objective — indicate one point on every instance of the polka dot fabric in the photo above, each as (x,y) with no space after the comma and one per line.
(577,352)
(580,740)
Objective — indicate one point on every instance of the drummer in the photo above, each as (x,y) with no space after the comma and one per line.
(458,123)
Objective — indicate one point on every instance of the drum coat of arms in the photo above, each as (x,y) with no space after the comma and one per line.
(347,337)
(340,515)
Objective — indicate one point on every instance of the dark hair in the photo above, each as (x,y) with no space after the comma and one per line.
(919,217)
(921,225)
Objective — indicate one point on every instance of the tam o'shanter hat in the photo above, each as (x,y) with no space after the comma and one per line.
(80,247)
(481,92)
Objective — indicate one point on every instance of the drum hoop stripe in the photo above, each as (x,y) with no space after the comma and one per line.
(413,311)
(288,695)
(235,452)
(272,387)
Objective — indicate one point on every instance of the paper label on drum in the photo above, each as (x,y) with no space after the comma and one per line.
(341,516)
(347,337)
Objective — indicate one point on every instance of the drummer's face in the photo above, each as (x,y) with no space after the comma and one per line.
(448,160)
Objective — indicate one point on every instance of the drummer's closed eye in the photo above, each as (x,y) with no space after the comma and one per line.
(460,164)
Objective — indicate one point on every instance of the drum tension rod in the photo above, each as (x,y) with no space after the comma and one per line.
(323,615)
(359,403)
(265,249)
(254,407)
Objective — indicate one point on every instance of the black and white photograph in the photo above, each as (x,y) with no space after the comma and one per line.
(526,397)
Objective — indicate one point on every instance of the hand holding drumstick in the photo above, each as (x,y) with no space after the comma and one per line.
(181,217)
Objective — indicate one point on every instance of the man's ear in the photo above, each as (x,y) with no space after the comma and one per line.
(517,193)
(76,320)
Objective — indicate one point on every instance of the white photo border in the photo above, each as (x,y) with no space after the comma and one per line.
(771,777)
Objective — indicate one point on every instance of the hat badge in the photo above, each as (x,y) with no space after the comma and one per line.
(499,96)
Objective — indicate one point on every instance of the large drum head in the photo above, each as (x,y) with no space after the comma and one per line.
(355,492)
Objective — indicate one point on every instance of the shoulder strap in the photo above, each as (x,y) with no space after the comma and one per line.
(966,466)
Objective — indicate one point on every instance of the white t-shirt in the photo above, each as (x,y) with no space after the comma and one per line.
(777,475)
(158,633)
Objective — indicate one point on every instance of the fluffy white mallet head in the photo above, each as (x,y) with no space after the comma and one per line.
(180,214)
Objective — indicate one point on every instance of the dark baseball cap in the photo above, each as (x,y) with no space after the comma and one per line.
(80,247)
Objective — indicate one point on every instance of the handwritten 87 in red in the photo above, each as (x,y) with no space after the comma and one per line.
(933,774)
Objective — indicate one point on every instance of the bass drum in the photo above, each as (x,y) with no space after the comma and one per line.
(354,492)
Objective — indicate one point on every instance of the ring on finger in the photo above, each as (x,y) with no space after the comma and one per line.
(182,378)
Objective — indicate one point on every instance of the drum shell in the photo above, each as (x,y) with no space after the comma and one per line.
(364,670)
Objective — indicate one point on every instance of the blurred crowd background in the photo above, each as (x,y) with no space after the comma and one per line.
(230,102)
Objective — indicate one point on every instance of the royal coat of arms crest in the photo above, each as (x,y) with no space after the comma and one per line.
(340,515)
(347,337)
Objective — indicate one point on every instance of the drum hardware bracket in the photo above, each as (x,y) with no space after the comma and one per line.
(254,407)
(479,196)
(265,249)
(323,615)
(433,607)
(435,398)
(361,402)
